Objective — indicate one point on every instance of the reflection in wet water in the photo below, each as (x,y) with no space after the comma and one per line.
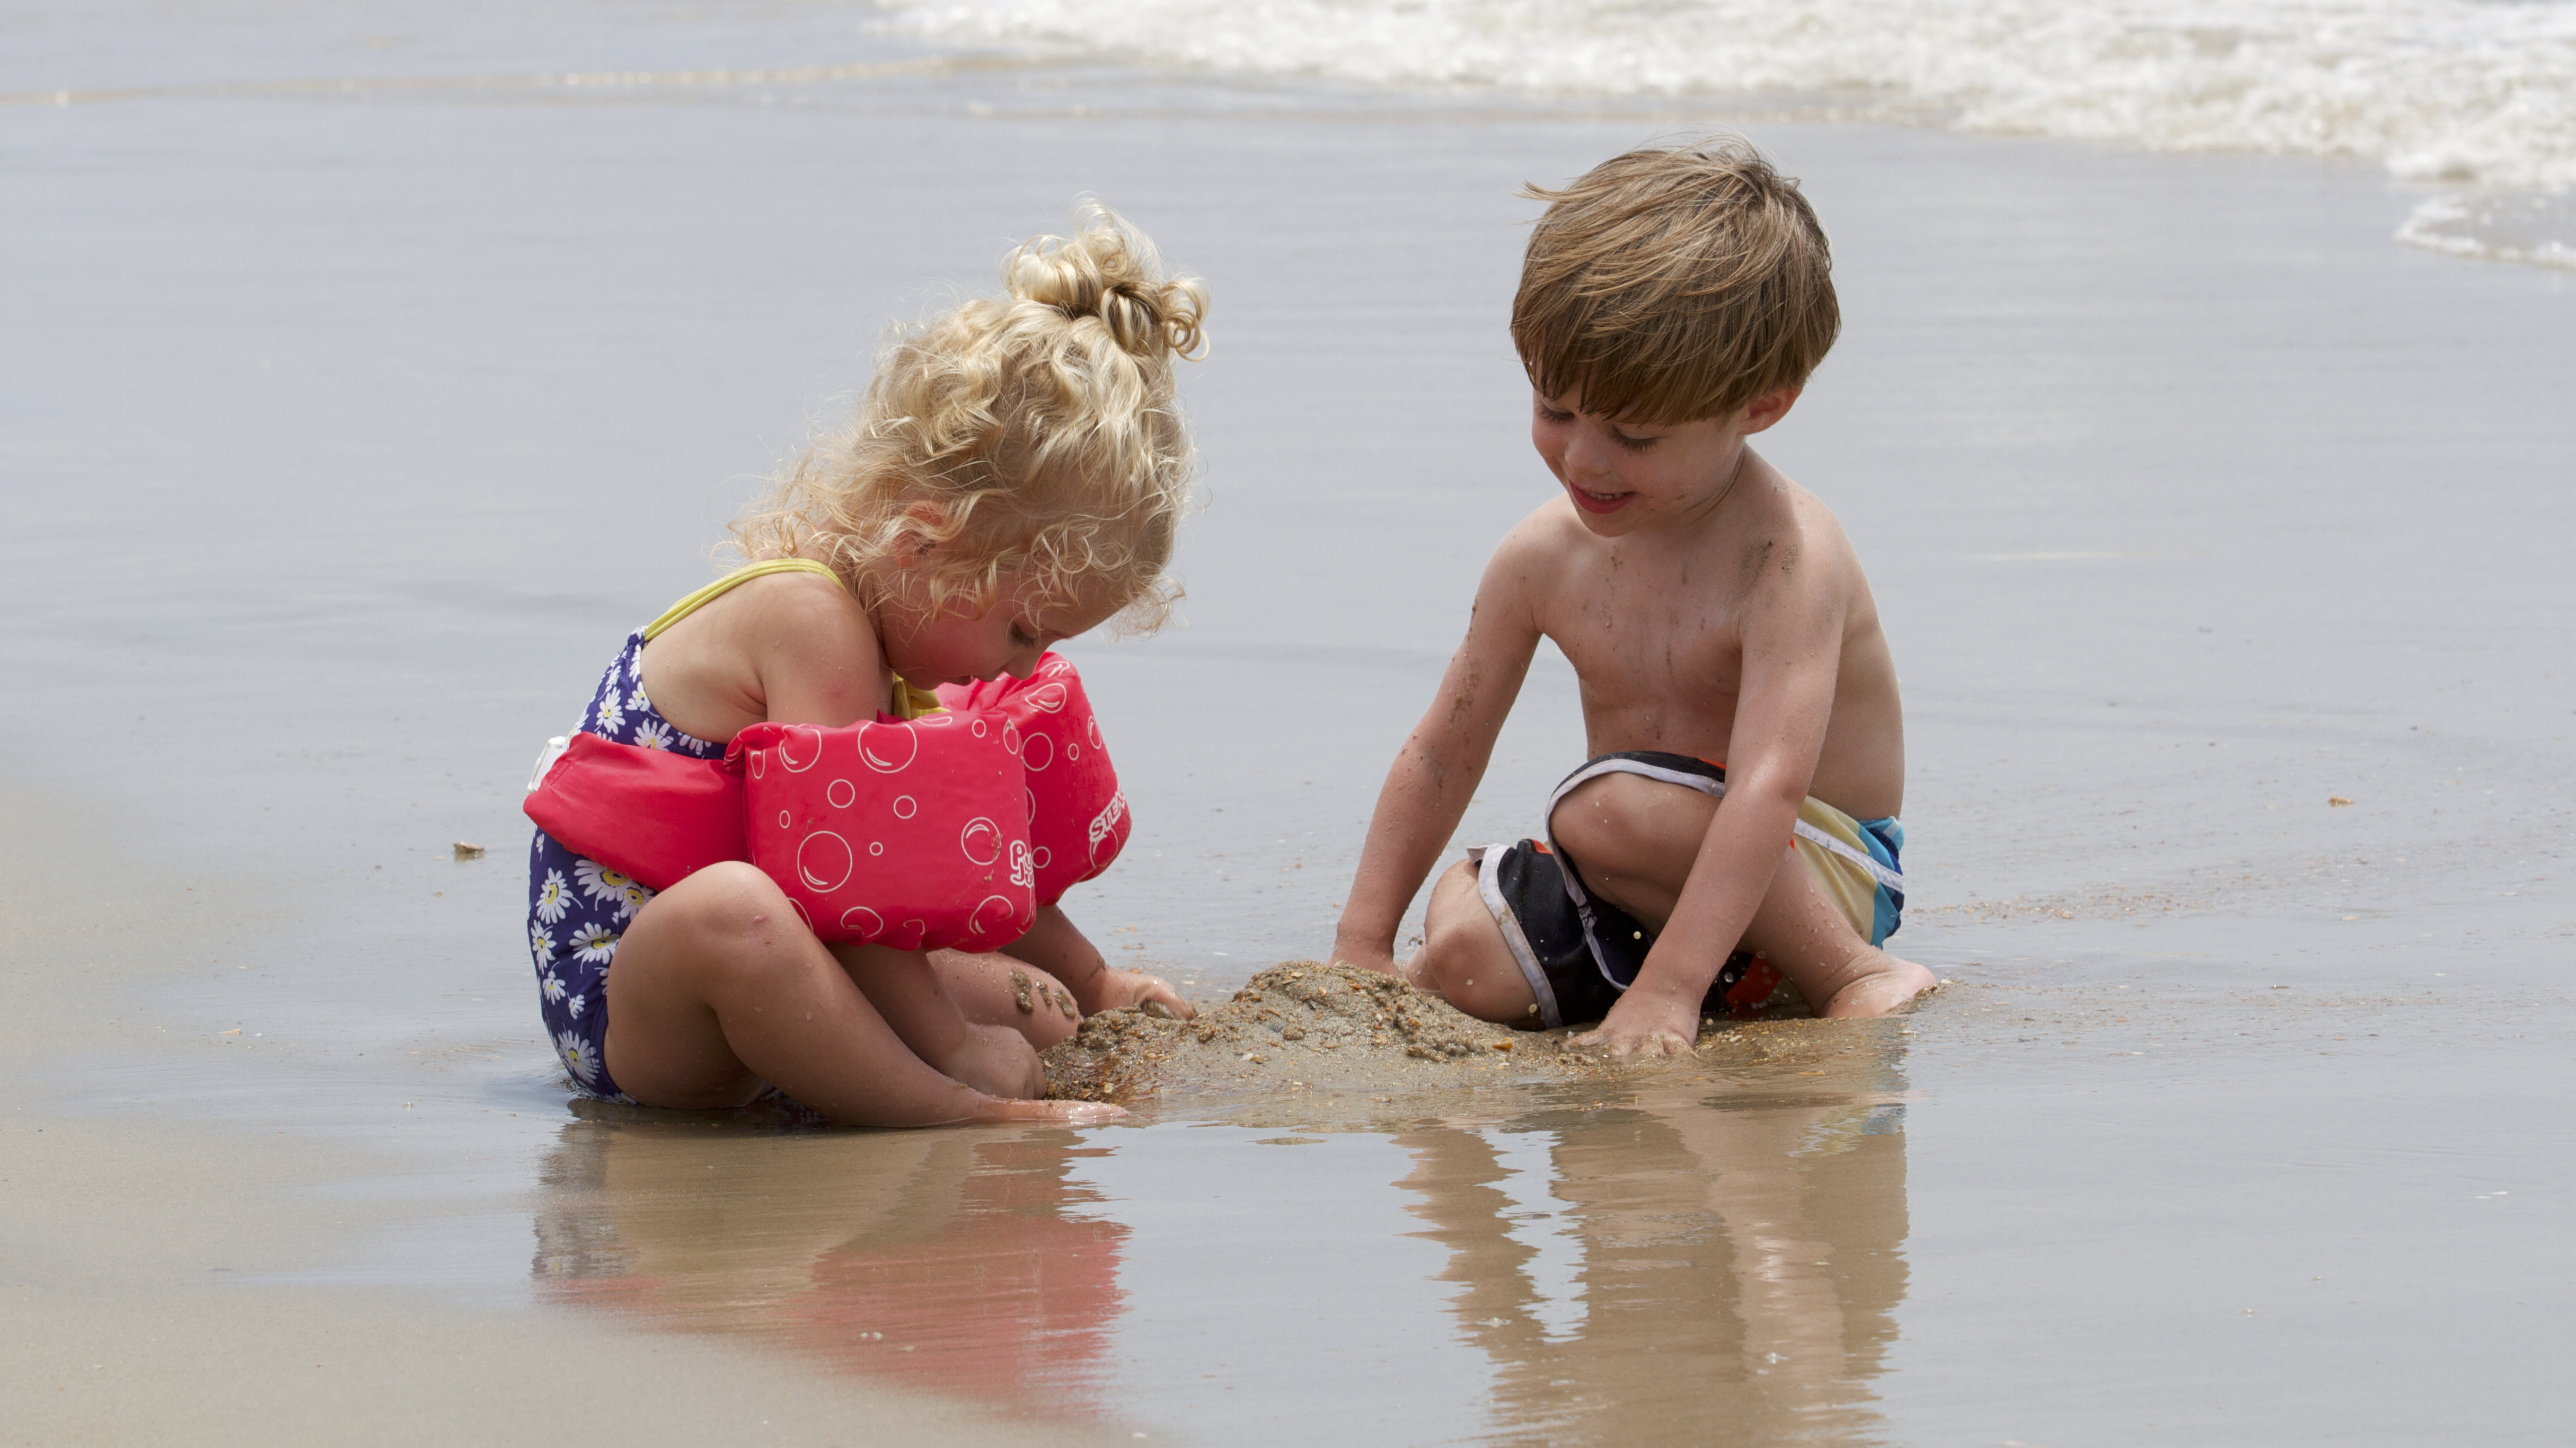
(1702,1255)
(957,1261)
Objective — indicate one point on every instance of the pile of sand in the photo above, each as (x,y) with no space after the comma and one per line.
(1306,1024)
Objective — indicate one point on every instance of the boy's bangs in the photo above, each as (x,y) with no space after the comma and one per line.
(1627,374)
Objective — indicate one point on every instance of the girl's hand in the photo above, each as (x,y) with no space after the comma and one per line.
(1110,988)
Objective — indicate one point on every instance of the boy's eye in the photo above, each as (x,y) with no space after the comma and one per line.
(1632,444)
(1552,415)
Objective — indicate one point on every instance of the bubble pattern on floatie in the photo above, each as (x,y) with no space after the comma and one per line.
(911,834)
(1077,817)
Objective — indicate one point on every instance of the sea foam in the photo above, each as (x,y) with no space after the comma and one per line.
(2479,98)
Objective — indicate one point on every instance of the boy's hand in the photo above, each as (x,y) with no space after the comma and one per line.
(1366,954)
(1109,988)
(1643,1025)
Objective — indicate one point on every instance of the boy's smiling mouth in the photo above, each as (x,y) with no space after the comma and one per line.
(1592,502)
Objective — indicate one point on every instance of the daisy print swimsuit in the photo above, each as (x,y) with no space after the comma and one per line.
(578,907)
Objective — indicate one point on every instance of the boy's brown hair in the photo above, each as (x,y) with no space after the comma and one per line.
(1674,283)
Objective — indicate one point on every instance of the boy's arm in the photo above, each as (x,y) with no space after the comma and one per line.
(1435,773)
(1792,657)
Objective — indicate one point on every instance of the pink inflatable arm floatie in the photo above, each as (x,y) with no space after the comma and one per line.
(1078,818)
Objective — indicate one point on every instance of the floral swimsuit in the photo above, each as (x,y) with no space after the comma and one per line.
(578,907)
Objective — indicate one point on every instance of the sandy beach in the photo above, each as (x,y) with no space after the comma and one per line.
(366,379)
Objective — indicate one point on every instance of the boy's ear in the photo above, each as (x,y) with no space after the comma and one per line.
(1771,406)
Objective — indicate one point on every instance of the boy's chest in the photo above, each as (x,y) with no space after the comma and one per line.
(1643,640)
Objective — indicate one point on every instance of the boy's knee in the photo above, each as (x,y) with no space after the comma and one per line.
(1465,962)
(1602,819)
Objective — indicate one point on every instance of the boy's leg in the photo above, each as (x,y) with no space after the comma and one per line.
(1463,959)
(1813,943)
(718,988)
(1636,838)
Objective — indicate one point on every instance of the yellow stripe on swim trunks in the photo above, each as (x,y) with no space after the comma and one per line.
(1851,885)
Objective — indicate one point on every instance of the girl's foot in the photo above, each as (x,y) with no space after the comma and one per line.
(995,1060)
(1059,1113)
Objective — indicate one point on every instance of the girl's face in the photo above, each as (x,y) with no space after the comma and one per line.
(959,647)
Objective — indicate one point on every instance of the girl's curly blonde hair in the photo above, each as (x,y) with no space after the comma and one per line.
(1039,427)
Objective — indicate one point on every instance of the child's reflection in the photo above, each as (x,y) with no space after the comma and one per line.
(1734,1242)
(961,1262)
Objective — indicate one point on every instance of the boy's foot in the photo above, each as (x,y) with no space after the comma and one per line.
(1875,983)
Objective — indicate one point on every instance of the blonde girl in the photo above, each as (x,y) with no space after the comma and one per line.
(1013,476)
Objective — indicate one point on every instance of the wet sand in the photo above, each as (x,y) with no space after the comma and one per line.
(344,431)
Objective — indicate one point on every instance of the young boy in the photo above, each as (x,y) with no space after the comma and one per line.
(1738,696)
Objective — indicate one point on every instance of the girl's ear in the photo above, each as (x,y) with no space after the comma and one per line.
(916,545)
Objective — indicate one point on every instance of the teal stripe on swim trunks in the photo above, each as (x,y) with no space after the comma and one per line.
(1885,839)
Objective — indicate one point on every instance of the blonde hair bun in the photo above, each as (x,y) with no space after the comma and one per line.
(1107,271)
(1040,427)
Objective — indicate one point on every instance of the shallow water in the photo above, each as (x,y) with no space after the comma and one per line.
(343,432)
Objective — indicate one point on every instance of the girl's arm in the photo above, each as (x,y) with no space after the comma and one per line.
(1436,772)
(1057,946)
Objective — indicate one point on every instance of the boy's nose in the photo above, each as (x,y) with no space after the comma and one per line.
(1585,456)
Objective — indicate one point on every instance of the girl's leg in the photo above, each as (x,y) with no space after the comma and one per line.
(718,988)
(909,993)
(990,990)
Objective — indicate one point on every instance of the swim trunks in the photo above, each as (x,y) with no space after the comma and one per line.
(1579,953)
(578,907)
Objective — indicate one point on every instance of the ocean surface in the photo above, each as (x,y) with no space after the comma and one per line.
(2473,100)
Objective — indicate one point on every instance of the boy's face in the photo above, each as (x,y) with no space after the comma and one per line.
(1626,478)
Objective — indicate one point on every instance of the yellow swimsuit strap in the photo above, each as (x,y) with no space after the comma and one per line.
(730,582)
(909,702)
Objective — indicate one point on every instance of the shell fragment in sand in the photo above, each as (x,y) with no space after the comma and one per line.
(465,851)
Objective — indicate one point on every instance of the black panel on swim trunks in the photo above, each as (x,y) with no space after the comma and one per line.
(1532,881)
(1535,886)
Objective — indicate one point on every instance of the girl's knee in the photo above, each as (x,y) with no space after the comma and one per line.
(728,924)
(732,899)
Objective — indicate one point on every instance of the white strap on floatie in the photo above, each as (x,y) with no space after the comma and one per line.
(554,750)
(1716,789)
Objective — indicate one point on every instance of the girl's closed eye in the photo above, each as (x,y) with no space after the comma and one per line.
(1022,638)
